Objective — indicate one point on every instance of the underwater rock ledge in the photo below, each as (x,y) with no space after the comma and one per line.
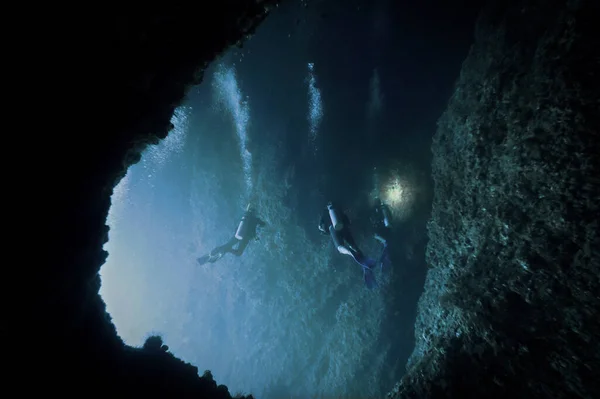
(511,298)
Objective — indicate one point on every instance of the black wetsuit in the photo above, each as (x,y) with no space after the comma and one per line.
(235,246)
(377,219)
(349,247)
(385,233)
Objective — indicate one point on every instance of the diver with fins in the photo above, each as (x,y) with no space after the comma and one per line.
(336,224)
(383,228)
(245,232)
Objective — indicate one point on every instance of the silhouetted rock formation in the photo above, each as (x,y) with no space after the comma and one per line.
(511,301)
(127,68)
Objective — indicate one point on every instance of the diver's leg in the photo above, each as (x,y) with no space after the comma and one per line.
(382,235)
(367,265)
(384,261)
(381,239)
(203,259)
(365,262)
(242,244)
(218,252)
(347,235)
(212,257)
(338,241)
(228,246)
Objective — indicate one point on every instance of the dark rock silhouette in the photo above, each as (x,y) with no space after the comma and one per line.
(123,71)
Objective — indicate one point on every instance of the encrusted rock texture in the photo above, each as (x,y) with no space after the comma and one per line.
(511,301)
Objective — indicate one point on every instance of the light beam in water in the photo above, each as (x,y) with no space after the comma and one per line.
(315,104)
(397,189)
(395,193)
(375,104)
(229,95)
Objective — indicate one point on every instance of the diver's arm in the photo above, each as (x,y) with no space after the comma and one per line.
(323,226)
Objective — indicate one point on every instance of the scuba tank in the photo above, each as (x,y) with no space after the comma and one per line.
(241,230)
(336,220)
(385,212)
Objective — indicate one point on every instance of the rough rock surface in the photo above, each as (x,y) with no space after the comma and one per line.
(124,71)
(511,301)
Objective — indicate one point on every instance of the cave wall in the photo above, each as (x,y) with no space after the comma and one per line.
(511,297)
(123,72)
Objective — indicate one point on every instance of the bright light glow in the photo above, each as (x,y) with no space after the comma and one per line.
(398,191)
(395,193)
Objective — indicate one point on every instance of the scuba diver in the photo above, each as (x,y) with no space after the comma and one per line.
(383,227)
(245,232)
(336,224)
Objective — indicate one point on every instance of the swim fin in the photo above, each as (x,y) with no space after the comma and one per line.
(384,261)
(203,259)
(369,278)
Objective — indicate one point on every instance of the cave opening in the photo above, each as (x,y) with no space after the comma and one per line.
(286,123)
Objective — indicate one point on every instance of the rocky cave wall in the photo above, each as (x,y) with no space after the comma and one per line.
(124,71)
(511,301)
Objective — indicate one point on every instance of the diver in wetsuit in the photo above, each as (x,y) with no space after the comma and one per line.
(336,224)
(245,232)
(383,228)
